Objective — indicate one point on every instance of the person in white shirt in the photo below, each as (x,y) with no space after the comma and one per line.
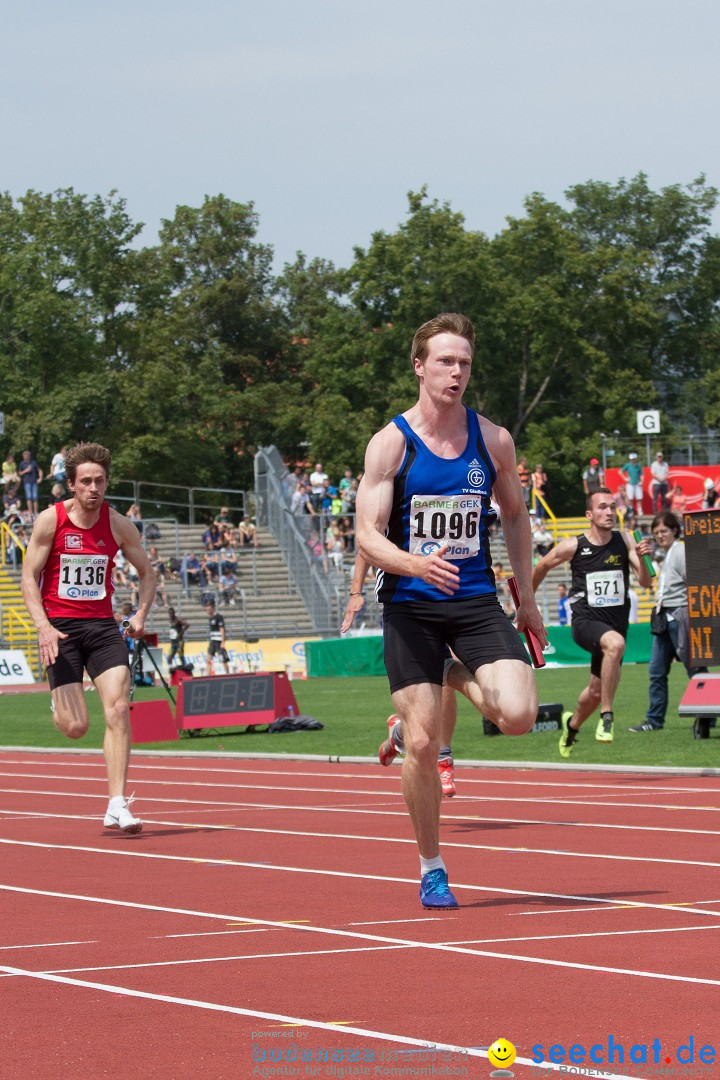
(660,471)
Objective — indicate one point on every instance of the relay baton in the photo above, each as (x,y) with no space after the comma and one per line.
(646,558)
(125,625)
(534,648)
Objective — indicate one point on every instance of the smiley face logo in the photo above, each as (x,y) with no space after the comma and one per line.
(501,1054)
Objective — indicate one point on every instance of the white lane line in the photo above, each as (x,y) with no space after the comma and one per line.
(214,933)
(402,943)
(21,815)
(596,934)
(610,902)
(342,809)
(557,852)
(48,945)
(290,1021)
(287,955)
(332,773)
(394,922)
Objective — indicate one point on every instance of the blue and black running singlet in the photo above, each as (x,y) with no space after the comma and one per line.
(438,502)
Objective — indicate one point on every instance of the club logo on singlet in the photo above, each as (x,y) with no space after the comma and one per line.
(476,476)
(73,542)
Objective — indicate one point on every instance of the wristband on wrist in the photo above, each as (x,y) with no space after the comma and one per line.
(355,593)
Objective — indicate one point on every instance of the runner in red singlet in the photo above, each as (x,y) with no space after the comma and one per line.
(67,587)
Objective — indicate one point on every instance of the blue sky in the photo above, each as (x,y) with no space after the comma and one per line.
(325,113)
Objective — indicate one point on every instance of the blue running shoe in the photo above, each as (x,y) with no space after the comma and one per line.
(434,891)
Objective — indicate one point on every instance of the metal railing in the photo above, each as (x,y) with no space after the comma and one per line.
(306,570)
(10,545)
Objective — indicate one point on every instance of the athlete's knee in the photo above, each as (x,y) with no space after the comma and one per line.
(117,715)
(613,645)
(421,746)
(516,718)
(74,727)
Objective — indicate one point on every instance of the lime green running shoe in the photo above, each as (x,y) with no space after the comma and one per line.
(604,729)
(568,737)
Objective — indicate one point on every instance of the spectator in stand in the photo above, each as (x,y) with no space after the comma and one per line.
(660,471)
(57,494)
(348,498)
(31,475)
(632,473)
(9,471)
(248,532)
(191,572)
(227,585)
(326,503)
(301,502)
(14,550)
(678,502)
(159,570)
(335,543)
(539,482)
(564,612)
(211,566)
(542,537)
(336,505)
(118,573)
(223,518)
(133,512)
(710,495)
(503,591)
(593,477)
(227,559)
(11,501)
(318,480)
(621,503)
(524,476)
(133,580)
(212,540)
(57,466)
(348,531)
(317,549)
(345,483)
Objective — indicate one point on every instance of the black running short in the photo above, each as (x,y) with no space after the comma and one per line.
(416,633)
(587,634)
(217,647)
(93,644)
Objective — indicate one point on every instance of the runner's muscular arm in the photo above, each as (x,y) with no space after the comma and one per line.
(383,458)
(128,539)
(562,552)
(515,525)
(38,551)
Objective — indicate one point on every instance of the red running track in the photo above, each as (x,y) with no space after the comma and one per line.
(271,909)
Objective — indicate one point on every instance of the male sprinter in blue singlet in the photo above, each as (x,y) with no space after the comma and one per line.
(423,512)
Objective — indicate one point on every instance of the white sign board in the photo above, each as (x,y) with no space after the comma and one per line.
(648,422)
(14,668)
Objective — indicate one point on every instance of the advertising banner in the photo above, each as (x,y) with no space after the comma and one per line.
(14,668)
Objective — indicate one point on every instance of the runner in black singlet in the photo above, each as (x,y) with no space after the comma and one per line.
(600,561)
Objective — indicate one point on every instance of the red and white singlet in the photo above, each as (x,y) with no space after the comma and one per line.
(77,579)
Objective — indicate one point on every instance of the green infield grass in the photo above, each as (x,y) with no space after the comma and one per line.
(353,712)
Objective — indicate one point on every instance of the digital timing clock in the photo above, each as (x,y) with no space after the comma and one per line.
(234,700)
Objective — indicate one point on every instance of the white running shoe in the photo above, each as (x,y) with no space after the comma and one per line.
(121,817)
